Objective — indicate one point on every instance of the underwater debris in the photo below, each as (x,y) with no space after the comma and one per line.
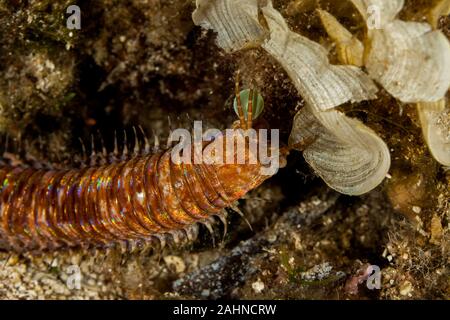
(351,286)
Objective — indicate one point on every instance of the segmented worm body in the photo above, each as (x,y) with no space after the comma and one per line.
(133,200)
(126,202)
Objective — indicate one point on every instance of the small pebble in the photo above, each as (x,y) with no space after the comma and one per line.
(258,286)
(405,288)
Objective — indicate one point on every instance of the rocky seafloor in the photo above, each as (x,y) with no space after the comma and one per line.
(138,62)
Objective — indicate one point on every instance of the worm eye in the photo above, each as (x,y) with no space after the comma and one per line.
(258,103)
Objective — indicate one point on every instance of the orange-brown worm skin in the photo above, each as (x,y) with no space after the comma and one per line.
(133,200)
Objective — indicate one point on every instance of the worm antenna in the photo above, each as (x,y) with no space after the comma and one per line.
(250,109)
(240,110)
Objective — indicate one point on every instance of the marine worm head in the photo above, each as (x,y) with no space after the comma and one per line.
(257,106)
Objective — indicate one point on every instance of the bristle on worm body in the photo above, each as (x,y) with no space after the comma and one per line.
(125,201)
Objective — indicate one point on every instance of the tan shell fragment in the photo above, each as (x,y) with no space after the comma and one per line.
(409,59)
(435,121)
(349,49)
(346,154)
(235,21)
(322,85)
(377,13)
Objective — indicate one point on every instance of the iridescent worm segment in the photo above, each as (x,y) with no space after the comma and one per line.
(127,202)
